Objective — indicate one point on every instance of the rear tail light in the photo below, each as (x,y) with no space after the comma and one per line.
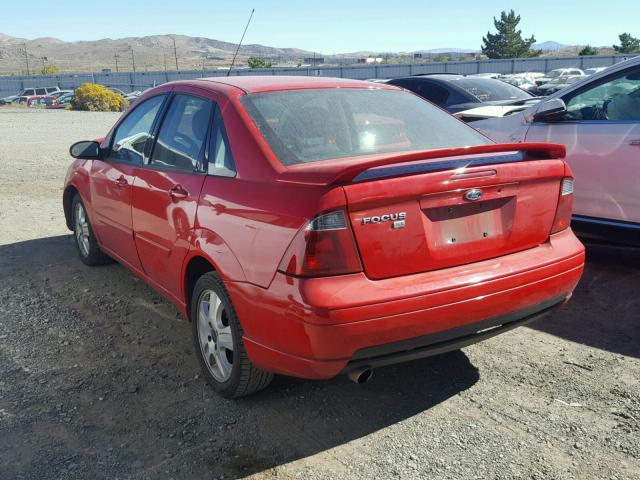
(565,206)
(324,246)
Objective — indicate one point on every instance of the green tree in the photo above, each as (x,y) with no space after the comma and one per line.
(255,62)
(628,44)
(508,42)
(588,50)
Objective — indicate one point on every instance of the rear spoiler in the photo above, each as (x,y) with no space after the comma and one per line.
(347,170)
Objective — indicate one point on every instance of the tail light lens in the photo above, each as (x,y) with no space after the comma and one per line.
(565,206)
(324,246)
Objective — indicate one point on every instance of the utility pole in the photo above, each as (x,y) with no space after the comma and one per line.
(44,61)
(175,53)
(133,60)
(116,56)
(26,58)
(164,55)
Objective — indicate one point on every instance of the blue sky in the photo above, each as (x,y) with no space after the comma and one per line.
(328,26)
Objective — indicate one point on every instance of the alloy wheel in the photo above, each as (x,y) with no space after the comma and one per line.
(215,335)
(82,229)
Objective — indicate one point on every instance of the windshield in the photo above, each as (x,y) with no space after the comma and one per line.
(489,90)
(310,125)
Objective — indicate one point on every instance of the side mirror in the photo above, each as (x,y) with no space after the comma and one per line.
(87,149)
(550,110)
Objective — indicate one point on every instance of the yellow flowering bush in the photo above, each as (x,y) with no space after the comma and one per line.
(97,98)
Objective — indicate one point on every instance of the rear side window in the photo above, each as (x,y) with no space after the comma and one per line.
(181,137)
(490,90)
(311,125)
(41,91)
(220,160)
(132,134)
(432,92)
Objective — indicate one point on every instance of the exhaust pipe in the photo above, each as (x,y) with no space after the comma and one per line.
(360,375)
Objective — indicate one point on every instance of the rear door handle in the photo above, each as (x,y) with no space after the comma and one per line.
(121,181)
(635,143)
(177,192)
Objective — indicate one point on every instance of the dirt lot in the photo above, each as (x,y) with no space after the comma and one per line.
(98,377)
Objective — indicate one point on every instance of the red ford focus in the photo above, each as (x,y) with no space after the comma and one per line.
(312,227)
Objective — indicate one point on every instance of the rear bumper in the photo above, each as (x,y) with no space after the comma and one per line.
(449,340)
(318,328)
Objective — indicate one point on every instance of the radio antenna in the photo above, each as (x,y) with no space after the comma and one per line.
(241,39)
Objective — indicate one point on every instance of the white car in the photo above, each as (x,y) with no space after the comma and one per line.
(559,72)
(598,120)
(591,71)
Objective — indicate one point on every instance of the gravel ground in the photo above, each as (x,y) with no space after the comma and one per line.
(98,378)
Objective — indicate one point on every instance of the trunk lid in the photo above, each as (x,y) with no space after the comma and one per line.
(427,215)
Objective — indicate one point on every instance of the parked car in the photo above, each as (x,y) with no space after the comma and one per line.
(591,71)
(457,93)
(520,82)
(29,92)
(61,92)
(487,75)
(316,226)
(524,80)
(40,101)
(598,119)
(118,91)
(556,85)
(63,101)
(558,72)
(133,96)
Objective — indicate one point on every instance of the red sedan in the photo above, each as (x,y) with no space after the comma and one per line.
(312,227)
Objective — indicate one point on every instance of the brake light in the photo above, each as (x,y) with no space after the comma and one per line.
(565,206)
(324,246)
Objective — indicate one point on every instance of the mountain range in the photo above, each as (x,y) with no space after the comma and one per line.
(148,53)
(157,52)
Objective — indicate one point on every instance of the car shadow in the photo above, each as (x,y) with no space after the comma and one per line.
(137,403)
(604,311)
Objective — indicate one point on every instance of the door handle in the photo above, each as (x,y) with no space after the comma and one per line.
(121,181)
(177,192)
(635,143)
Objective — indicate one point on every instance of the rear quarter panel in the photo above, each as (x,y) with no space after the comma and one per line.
(256,221)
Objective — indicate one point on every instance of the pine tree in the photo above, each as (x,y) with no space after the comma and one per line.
(588,50)
(628,44)
(508,42)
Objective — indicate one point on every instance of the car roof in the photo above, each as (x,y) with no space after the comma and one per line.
(435,76)
(271,83)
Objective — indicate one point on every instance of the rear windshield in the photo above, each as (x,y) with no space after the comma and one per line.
(310,125)
(490,90)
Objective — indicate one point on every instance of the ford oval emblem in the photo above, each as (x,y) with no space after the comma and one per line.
(473,194)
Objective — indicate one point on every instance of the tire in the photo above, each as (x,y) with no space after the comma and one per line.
(217,338)
(84,238)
